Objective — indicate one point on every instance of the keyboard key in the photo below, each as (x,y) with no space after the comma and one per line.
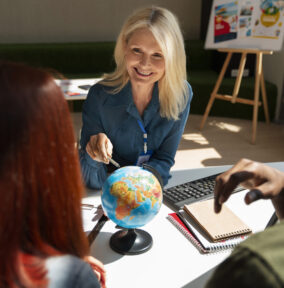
(193,191)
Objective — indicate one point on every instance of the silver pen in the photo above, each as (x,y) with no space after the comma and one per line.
(114,162)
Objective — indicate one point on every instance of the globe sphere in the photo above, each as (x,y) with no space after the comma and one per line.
(131,196)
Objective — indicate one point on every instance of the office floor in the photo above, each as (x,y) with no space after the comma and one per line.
(222,141)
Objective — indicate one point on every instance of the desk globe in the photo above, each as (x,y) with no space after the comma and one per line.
(131,197)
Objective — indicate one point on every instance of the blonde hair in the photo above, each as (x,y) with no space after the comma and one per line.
(173,89)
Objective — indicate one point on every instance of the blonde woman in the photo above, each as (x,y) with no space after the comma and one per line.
(137,113)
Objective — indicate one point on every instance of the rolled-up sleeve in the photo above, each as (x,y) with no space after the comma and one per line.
(94,172)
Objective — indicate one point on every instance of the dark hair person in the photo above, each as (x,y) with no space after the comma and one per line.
(40,185)
(259,260)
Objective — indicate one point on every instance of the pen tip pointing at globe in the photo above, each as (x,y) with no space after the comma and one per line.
(114,162)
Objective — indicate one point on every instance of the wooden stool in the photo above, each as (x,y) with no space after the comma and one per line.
(259,82)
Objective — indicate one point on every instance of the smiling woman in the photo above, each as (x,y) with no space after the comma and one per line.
(137,113)
(144,58)
(145,65)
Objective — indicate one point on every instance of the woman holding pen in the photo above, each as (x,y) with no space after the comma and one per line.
(137,114)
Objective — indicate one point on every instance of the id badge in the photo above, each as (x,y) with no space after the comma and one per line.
(144,158)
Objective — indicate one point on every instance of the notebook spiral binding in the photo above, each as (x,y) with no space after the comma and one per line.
(221,247)
(227,235)
(187,234)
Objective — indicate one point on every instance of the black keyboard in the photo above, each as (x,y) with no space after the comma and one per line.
(177,196)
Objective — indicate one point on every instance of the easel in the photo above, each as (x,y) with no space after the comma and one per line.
(259,82)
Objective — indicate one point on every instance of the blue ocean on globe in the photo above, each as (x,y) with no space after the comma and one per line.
(131,197)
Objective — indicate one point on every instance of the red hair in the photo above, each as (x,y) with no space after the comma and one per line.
(40,180)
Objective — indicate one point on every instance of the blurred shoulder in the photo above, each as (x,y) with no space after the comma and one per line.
(267,241)
(256,262)
(70,271)
(244,269)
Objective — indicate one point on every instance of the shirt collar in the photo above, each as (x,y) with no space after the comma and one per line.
(151,109)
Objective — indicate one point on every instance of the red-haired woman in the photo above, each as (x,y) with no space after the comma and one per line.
(42,243)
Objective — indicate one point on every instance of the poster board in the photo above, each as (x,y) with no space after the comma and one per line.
(246,24)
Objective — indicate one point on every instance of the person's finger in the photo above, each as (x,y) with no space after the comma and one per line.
(241,176)
(217,189)
(109,148)
(234,180)
(102,147)
(264,191)
(90,151)
(95,262)
(98,274)
(92,147)
(225,183)
(253,195)
(98,268)
(101,275)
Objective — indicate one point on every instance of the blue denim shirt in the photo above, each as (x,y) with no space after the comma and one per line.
(116,115)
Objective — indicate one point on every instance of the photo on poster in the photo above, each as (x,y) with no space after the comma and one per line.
(246,8)
(245,19)
(226,19)
(269,19)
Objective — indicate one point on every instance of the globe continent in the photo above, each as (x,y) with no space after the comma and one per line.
(131,197)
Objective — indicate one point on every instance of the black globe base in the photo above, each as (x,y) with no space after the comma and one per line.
(131,241)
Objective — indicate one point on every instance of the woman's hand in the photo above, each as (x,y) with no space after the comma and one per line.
(263,181)
(99,148)
(98,269)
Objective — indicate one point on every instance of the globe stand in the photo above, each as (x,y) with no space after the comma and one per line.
(131,241)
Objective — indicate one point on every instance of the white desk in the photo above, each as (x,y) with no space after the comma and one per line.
(172,261)
(71,89)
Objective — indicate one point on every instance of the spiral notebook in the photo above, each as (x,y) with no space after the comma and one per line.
(197,239)
(223,225)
